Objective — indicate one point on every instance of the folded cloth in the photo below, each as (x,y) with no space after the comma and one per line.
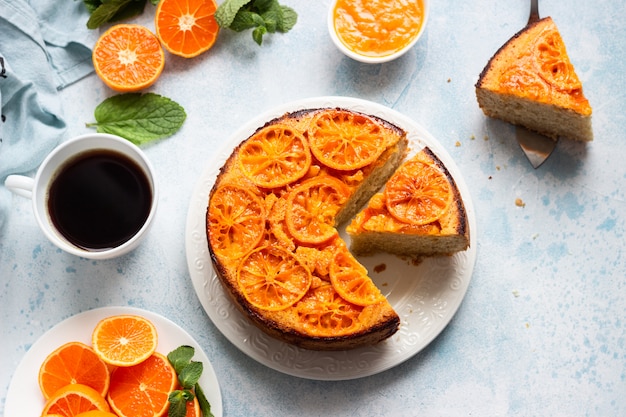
(44,47)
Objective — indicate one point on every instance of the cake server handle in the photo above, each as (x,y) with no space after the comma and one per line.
(536,147)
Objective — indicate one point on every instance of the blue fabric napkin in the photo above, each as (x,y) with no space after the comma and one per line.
(44,47)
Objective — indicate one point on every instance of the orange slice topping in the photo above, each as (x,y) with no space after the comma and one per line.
(275,156)
(128,57)
(272,278)
(186,27)
(350,280)
(236,221)
(346,140)
(418,193)
(324,313)
(312,208)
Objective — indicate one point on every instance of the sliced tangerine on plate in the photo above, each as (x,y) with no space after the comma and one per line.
(128,57)
(94,413)
(346,140)
(272,278)
(124,340)
(275,156)
(236,221)
(74,399)
(418,193)
(73,363)
(350,280)
(323,312)
(312,207)
(142,389)
(186,28)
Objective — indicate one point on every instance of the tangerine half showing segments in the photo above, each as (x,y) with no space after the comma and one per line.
(186,28)
(418,193)
(128,57)
(74,399)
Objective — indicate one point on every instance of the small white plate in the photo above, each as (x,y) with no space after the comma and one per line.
(24,398)
(426,296)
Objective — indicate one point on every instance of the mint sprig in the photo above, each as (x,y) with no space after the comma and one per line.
(188,372)
(140,118)
(262,16)
(105,11)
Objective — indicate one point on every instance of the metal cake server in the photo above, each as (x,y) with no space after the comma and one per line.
(536,147)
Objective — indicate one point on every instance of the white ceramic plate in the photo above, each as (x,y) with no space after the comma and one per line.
(426,296)
(24,399)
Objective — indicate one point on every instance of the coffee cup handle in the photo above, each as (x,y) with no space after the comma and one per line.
(20,185)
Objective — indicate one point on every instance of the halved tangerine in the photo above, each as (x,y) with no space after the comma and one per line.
(275,156)
(124,340)
(418,193)
(350,280)
(128,57)
(346,140)
(73,363)
(323,312)
(186,28)
(142,389)
(312,207)
(272,278)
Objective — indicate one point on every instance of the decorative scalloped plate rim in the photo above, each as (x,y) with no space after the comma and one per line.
(24,397)
(425,295)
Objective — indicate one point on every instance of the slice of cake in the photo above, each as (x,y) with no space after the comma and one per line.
(531,82)
(419,213)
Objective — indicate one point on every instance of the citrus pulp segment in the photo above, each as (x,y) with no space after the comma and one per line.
(74,399)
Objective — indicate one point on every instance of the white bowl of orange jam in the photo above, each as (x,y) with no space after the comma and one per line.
(376,31)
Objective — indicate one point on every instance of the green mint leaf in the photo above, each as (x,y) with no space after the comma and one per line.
(92,5)
(140,118)
(131,9)
(180,357)
(113,10)
(190,375)
(245,20)
(271,19)
(257,34)
(205,406)
(178,404)
(226,12)
(262,6)
(289,19)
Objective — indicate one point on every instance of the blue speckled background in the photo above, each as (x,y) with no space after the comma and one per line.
(542,330)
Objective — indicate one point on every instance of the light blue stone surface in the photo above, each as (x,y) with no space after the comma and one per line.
(542,329)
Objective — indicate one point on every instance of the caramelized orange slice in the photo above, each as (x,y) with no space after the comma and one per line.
(324,313)
(350,280)
(418,193)
(346,140)
(312,208)
(554,64)
(272,278)
(275,156)
(236,221)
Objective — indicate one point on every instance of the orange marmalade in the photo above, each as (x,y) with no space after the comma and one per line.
(377,28)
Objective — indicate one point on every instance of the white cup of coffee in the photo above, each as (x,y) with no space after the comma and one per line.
(93,196)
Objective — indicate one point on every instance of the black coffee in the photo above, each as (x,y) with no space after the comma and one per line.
(99,200)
